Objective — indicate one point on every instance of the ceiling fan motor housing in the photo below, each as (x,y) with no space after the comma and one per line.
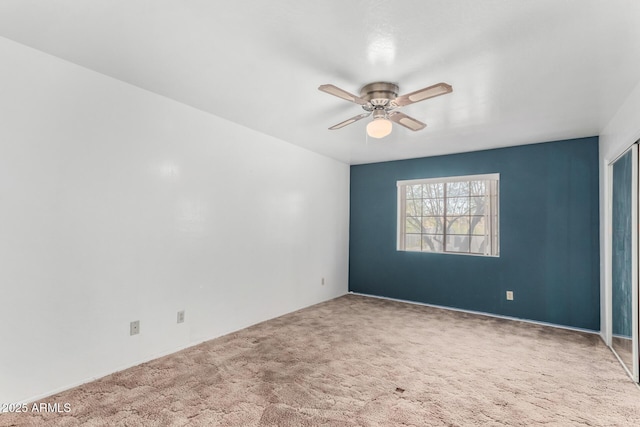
(378,94)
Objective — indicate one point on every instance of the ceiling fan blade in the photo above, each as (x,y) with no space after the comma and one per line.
(406,121)
(349,121)
(422,94)
(336,91)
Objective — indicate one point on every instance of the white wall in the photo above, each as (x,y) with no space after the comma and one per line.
(117,204)
(621,132)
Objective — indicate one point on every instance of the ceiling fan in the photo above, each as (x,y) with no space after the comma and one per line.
(381,100)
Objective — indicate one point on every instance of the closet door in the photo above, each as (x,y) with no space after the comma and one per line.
(624,259)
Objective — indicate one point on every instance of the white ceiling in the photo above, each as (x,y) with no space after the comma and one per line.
(522,71)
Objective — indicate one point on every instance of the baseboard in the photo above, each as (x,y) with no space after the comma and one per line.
(481,313)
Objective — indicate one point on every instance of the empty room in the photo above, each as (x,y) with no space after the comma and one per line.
(319,213)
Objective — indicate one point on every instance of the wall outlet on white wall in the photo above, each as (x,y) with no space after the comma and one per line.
(181,316)
(509,295)
(322,281)
(134,327)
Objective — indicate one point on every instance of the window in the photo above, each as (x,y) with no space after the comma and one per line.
(453,215)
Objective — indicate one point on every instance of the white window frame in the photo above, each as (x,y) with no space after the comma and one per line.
(492,215)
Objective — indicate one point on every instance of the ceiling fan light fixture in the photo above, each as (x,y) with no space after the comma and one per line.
(379,127)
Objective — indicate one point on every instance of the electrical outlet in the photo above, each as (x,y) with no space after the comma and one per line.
(322,281)
(134,328)
(509,295)
(181,316)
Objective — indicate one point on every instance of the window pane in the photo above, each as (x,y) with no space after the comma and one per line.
(457,205)
(457,189)
(478,245)
(433,207)
(414,208)
(412,242)
(413,225)
(457,244)
(457,225)
(477,225)
(414,191)
(434,191)
(432,224)
(477,188)
(477,205)
(431,243)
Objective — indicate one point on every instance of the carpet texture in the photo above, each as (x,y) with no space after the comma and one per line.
(359,361)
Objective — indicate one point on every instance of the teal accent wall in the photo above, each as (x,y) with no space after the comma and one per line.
(549,248)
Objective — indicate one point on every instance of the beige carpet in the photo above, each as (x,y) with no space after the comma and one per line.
(358,361)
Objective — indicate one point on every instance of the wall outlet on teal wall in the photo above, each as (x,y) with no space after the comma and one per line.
(509,295)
